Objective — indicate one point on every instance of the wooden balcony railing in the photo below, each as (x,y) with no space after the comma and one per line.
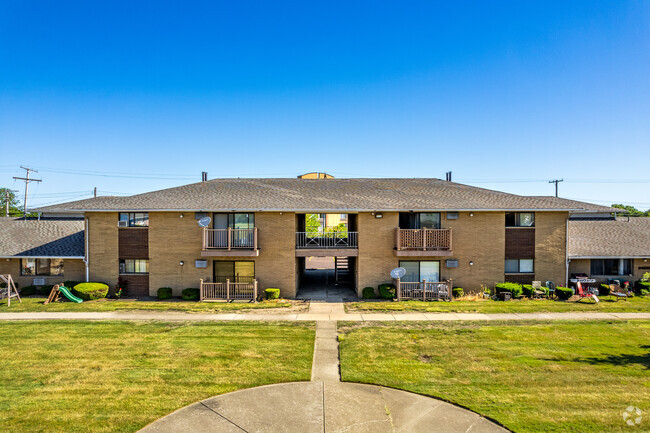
(423,239)
(424,290)
(326,240)
(228,291)
(229,239)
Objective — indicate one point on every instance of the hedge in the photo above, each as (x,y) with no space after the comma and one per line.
(457,292)
(165,293)
(28,291)
(604,290)
(563,293)
(44,290)
(90,291)
(386,291)
(272,293)
(70,284)
(368,293)
(642,288)
(191,294)
(514,289)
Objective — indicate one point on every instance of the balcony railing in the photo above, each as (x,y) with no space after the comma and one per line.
(326,240)
(424,290)
(227,291)
(229,239)
(423,239)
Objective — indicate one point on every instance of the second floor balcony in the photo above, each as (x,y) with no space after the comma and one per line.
(327,243)
(423,242)
(230,242)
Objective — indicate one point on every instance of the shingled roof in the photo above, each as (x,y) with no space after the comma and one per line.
(44,238)
(322,195)
(615,238)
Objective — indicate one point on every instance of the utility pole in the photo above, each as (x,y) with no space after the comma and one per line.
(95,192)
(7,198)
(27,180)
(556,181)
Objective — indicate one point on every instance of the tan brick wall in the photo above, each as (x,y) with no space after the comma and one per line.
(550,246)
(376,243)
(73,269)
(102,247)
(173,239)
(276,264)
(638,263)
(480,239)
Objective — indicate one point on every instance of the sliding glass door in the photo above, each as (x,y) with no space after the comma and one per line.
(417,271)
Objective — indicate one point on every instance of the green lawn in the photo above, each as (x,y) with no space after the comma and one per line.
(636,304)
(542,377)
(118,376)
(34,304)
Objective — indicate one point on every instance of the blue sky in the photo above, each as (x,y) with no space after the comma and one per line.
(134,96)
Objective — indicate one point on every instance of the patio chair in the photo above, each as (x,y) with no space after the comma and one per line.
(550,285)
(584,292)
(538,292)
(617,292)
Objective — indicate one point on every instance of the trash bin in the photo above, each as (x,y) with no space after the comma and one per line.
(505,296)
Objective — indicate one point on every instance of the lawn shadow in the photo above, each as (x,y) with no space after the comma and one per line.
(622,360)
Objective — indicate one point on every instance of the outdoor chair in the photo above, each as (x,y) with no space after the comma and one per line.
(585,293)
(538,292)
(550,285)
(617,292)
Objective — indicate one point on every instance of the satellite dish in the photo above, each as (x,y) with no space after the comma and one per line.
(204,222)
(398,273)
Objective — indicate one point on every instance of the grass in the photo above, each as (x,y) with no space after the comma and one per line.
(636,304)
(118,376)
(35,304)
(542,377)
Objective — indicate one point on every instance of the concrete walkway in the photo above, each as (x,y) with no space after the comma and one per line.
(317,312)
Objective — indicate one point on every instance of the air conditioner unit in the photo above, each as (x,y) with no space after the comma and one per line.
(39,281)
(122,223)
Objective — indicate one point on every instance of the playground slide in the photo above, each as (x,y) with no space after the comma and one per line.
(69,295)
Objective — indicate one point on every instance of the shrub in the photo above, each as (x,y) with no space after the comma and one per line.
(272,293)
(165,293)
(368,293)
(90,291)
(527,290)
(70,284)
(45,290)
(604,290)
(515,289)
(191,294)
(640,287)
(386,291)
(563,293)
(28,291)
(457,292)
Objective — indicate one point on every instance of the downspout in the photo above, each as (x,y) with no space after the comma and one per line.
(566,252)
(86,251)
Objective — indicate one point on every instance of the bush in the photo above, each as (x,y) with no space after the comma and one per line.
(563,293)
(272,293)
(386,291)
(45,290)
(368,293)
(191,294)
(70,284)
(514,289)
(457,292)
(165,293)
(90,291)
(28,291)
(641,288)
(604,290)
(527,290)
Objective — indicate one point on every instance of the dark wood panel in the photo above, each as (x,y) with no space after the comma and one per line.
(133,243)
(520,243)
(137,285)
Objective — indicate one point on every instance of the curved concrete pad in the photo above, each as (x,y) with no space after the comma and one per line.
(306,407)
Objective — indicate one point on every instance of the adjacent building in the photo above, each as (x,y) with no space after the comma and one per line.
(244,230)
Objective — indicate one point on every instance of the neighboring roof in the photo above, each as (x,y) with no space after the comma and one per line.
(612,238)
(44,238)
(313,195)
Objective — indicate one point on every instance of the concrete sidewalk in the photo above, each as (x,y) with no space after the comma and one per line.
(319,312)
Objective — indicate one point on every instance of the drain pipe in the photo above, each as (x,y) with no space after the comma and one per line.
(86,251)
(566,252)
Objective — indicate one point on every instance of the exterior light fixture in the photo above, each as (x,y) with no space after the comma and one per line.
(471,263)
(379,215)
(471,214)
(181,216)
(181,263)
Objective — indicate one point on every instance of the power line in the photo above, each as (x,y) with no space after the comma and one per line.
(27,180)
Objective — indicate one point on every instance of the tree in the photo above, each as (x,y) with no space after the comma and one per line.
(15,208)
(632,211)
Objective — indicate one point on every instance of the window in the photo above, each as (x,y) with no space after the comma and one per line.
(520,219)
(415,220)
(521,266)
(135,219)
(611,267)
(418,271)
(344,217)
(234,220)
(41,267)
(236,272)
(134,266)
